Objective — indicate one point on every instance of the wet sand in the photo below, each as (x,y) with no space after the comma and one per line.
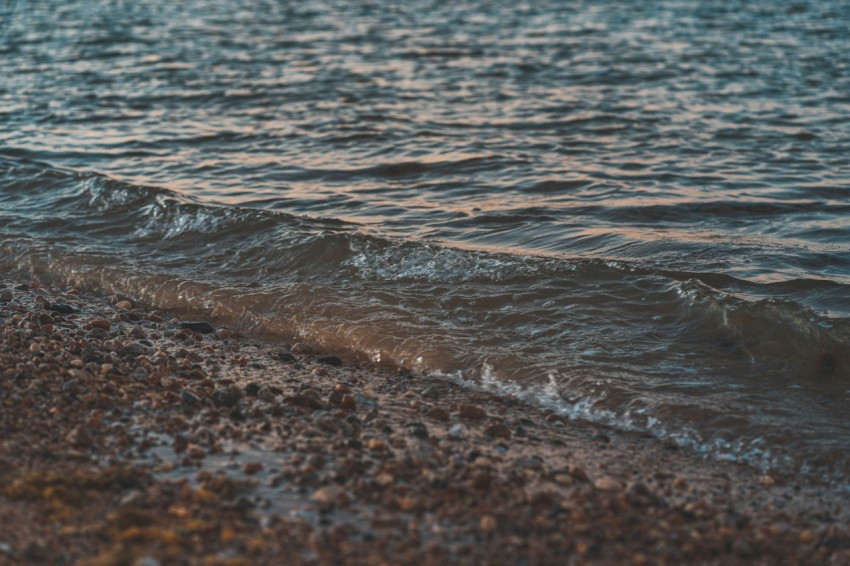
(129,439)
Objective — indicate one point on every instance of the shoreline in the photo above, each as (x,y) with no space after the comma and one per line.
(130,440)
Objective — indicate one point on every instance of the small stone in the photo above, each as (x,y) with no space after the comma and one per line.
(766,480)
(578,473)
(224,333)
(198,326)
(35,347)
(126,305)
(438,414)
(286,357)
(457,431)
(607,483)
(328,495)
(431,393)
(468,411)
(306,401)
(252,389)
(417,429)
(251,468)
(100,323)
(498,430)
(226,397)
(563,479)
(348,403)
(331,361)
(302,349)
(134,349)
(384,479)
(266,394)
(487,523)
(62,308)
(6,296)
(195,452)
(78,437)
(366,401)
(189,397)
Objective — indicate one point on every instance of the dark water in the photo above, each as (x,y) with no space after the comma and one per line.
(633,212)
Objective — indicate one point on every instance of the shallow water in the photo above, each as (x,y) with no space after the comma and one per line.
(635,214)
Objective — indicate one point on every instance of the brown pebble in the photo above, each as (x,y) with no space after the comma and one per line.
(224,333)
(468,411)
(487,523)
(252,468)
(766,480)
(607,484)
(438,414)
(126,305)
(348,403)
(498,430)
(100,323)
(577,472)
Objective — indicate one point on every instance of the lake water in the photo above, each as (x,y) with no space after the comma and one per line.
(636,213)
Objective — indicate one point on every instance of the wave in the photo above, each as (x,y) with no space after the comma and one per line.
(712,361)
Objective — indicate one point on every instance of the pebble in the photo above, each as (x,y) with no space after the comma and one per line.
(189,397)
(134,349)
(468,411)
(198,326)
(348,403)
(226,397)
(251,468)
(607,483)
(62,308)
(6,296)
(331,361)
(126,305)
(457,431)
(100,323)
(417,429)
(498,430)
(438,414)
(366,401)
(224,333)
(286,357)
(487,523)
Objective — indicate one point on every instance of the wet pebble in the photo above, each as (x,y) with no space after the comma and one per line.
(286,357)
(134,349)
(189,397)
(101,323)
(331,361)
(198,326)
(62,308)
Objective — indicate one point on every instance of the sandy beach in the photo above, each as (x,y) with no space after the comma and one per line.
(132,436)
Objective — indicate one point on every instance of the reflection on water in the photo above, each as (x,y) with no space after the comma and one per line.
(634,213)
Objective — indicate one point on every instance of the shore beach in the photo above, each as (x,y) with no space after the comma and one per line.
(131,436)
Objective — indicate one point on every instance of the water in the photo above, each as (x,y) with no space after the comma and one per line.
(633,213)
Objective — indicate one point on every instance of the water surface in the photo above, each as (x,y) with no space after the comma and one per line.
(632,212)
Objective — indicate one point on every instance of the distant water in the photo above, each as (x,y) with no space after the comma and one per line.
(636,213)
